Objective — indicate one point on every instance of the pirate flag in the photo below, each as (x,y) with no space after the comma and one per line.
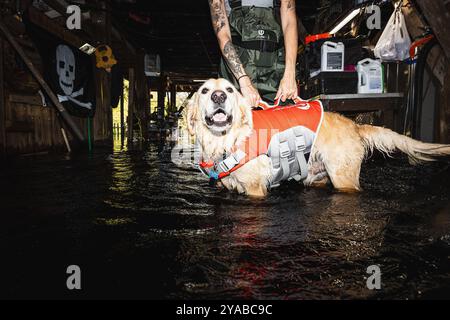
(67,70)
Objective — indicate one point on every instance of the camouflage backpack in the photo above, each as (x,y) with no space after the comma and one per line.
(258,38)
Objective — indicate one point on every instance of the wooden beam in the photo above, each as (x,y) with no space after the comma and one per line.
(437,13)
(60,6)
(41,20)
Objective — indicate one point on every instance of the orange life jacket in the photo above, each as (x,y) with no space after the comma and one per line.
(278,131)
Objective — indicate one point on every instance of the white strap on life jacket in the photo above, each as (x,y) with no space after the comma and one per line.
(300,148)
(232,161)
(287,152)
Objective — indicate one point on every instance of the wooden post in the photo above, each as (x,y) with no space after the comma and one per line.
(148,104)
(130,105)
(122,117)
(142,95)
(62,111)
(444,112)
(102,122)
(173,98)
(2,102)
(161,100)
(108,78)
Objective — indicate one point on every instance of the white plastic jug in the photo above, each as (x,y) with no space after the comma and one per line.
(370,76)
(332,57)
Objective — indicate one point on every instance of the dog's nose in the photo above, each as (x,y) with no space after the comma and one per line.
(218,96)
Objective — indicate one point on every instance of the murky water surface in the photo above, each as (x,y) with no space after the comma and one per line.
(140,227)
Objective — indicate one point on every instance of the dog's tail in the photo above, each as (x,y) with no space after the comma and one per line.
(388,141)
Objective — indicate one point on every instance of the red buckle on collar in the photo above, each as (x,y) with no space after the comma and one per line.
(206,164)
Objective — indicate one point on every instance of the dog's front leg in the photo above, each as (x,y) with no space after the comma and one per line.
(256,191)
(249,188)
(254,177)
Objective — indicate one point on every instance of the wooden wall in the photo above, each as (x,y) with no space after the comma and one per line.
(438,61)
(28,127)
(444,120)
(32,128)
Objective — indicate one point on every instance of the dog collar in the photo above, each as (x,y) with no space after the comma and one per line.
(222,169)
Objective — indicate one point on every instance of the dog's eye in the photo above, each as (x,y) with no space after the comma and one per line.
(205,91)
(230,90)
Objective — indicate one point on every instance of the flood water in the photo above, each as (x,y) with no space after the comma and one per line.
(140,227)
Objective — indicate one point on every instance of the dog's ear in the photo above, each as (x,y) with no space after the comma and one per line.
(246,110)
(191,113)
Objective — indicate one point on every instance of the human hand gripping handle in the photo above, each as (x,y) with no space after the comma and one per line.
(249,91)
(288,88)
(298,102)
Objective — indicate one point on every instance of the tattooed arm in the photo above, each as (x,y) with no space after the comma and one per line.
(288,85)
(222,29)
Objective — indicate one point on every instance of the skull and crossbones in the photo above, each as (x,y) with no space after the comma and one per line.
(65,68)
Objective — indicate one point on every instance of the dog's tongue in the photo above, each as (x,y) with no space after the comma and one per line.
(220,117)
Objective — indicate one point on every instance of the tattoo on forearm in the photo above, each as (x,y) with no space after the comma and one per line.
(218,16)
(291,4)
(232,58)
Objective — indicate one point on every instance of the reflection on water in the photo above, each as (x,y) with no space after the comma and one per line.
(141,227)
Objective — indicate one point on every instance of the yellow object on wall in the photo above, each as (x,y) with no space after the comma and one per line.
(105,57)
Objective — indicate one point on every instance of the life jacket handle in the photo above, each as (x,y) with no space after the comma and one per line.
(266,106)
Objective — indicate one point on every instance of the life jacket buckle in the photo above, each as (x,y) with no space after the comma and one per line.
(300,143)
(285,152)
(233,160)
(228,164)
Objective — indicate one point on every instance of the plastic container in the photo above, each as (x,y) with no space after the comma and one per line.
(332,57)
(370,76)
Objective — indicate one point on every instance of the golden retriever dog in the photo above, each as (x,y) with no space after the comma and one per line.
(221,121)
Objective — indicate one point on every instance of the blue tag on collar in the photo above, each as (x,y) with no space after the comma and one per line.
(213,175)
